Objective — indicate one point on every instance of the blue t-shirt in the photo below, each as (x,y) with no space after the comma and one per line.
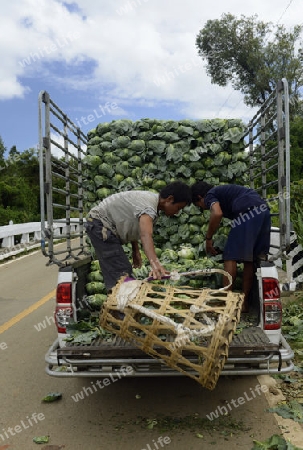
(233,199)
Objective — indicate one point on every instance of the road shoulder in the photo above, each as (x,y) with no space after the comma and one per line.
(292,431)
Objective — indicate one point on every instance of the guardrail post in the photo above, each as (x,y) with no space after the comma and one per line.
(8,241)
(25,238)
(37,235)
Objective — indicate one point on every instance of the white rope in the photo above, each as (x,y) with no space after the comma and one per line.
(179,328)
(175,276)
(129,290)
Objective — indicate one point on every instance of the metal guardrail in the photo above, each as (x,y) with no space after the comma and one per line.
(17,238)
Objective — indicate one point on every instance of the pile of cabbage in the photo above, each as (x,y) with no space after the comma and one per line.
(148,154)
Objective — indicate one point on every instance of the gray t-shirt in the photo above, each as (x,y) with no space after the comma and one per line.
(120,212)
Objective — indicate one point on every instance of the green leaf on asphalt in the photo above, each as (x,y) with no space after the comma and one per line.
(41,439)
(52,397)
(292,410)
(151,423)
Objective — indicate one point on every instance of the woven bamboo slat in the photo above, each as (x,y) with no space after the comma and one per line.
(189,330)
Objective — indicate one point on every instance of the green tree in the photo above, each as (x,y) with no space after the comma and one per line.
(296,148)
(252,55)
(2,151)
(13,153)
(19,188)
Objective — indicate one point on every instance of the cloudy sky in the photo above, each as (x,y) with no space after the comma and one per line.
(112,59)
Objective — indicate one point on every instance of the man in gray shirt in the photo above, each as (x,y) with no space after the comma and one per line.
(129,217)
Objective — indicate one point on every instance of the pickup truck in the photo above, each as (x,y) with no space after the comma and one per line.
(259,348)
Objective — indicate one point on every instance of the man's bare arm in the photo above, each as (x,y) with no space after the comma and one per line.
(146,235)
(216,215)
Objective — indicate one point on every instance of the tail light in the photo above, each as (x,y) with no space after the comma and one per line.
(64,307)
(272,307)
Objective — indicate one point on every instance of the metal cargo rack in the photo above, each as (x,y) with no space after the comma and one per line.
(268,146)
(62,146)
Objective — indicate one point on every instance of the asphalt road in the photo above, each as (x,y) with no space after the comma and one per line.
(130,414)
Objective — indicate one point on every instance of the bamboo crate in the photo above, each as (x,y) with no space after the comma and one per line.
(189,330)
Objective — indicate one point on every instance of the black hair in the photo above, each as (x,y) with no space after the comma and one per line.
(179,190)
(200,188)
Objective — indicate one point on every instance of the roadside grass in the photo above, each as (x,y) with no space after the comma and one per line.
(291,384)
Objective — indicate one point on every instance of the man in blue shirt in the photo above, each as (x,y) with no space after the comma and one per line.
(249,237)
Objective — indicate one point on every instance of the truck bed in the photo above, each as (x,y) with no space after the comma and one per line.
(250,353)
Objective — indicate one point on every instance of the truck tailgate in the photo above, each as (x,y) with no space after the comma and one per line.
(250,353)
(250,341)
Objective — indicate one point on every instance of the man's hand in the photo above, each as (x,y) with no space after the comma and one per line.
(216,215)
(210,250)
(146,234)
(158,271)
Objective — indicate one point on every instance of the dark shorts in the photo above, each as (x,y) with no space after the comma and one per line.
(109,251)
(249,236)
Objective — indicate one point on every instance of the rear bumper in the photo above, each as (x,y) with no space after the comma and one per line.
(280,361)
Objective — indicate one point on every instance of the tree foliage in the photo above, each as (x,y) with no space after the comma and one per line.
(2,151)
(296,148)
(252,55)
(19,187)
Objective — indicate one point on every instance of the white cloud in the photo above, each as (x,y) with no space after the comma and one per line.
(132,43)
